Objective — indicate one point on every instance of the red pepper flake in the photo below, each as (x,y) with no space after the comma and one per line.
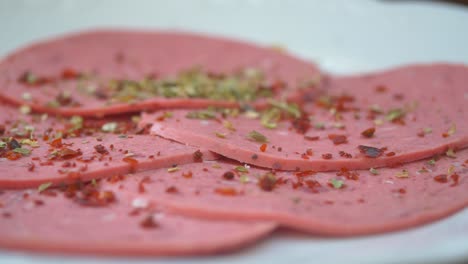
(370,152)
(327,156)
(263,147)
(309,152)
(10,155)
(350,175)
(304,156)
(149,222)
(390,154)
(267,182)
(345,154)
(94,198)
(368,133)
(228,175)
(381,89)
(187,174)
(132,162)
(311,138)
(198,156)
(66,153)
(455,178)
(442,178)
(74,175)
(398,96)
(69,74)
(101,149)
(301,124)
(305,173)
(226,191)
(313,184)
(31,166)
(400,190)
(141,184)
(172,189)
(338,139)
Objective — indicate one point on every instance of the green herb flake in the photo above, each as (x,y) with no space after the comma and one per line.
(241,169)
(402,174)
(427,130)
(44,187)
(25,109)
(123,136)
(3,144)
(30,142)
(26,96)
(452,129)
(173,169)
(451,153)
(77,122)
(257,136)
(431,162)
(374,171)
(378,122)
(201,114)
(220,135)
(229,126)
(395,114)
(319,125)
(244,179)
(216,166)
(22,151)
(337,184)
(94,182)
(109,127)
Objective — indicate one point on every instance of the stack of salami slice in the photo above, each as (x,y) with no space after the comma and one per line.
(161,143)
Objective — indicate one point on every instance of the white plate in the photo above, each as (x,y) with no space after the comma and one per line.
(342,36)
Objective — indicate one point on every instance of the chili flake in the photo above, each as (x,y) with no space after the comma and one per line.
(442,178)
(338,139)
(368,133)
(226,191)
(228,175)
(263,147)
(149,222)
(267,182)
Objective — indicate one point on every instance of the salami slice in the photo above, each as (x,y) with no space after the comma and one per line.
(95,221)
(109,72)
(339,203)
(377,120)
(61,161)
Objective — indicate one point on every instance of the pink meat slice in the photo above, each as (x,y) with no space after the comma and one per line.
(37,222)
(416,111)
(327,203)
(93,157)
(134,55)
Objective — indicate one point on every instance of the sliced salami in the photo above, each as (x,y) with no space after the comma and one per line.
(111,72)
(378,120)
(95,221)
(340,203)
